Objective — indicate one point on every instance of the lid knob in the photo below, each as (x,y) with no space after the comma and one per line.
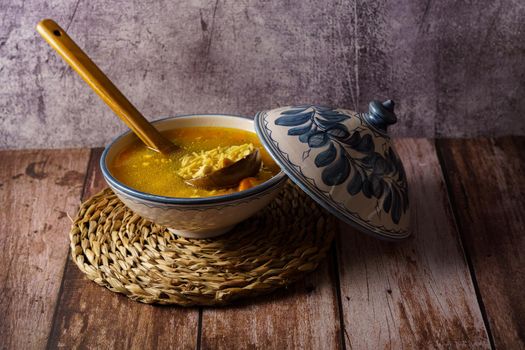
(381,115)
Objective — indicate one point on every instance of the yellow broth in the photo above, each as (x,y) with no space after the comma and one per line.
(148,171)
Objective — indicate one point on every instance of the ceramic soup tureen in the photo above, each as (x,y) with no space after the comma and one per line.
(344,160)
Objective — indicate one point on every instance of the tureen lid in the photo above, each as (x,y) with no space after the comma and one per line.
(344,160)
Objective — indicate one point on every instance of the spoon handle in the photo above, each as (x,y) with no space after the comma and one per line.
(58,39)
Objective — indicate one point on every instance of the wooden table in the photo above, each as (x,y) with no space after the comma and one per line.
(459,282)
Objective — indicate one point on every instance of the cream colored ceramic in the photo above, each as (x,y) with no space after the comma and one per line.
(193,217)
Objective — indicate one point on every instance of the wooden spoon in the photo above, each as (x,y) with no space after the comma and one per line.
(100,83)
(58,39)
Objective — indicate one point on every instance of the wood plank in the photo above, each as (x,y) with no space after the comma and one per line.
(487,185)
(93,317)
(304,316)
(418,293)
(37,191)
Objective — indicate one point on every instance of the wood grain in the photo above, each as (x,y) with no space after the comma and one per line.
(37,190)
(487,184)
(415,294)
(418,293)
(305,316)
(92,317)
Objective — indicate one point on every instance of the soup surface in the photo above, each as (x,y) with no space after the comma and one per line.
(148,171)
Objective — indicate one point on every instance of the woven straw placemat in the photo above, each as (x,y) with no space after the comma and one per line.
(130,255)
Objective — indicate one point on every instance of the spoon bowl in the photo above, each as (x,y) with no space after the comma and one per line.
(229,175)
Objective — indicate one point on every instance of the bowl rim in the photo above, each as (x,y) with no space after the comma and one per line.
(275,180)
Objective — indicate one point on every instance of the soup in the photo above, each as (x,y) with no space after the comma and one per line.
(148,171)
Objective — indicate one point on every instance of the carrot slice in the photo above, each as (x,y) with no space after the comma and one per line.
(247,183)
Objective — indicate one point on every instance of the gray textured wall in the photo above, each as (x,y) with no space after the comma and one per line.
(456,68)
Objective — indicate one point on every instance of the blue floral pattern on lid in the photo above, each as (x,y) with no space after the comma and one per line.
(344,160)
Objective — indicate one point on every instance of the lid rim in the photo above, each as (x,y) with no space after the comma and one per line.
(355,221)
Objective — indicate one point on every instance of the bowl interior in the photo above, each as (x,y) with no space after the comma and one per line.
(229,121)
(126,139)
